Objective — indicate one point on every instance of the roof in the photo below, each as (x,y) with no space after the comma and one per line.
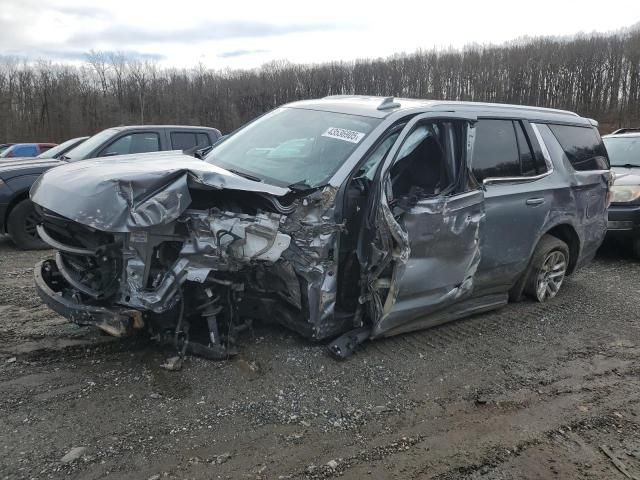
(40,144)
(369,107)
(173,127)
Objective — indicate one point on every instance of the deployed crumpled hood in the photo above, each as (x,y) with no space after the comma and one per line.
(121,193)
(627,176)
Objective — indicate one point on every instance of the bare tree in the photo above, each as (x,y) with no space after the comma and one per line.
(597,76)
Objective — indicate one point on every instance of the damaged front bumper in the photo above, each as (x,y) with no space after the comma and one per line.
(51,285)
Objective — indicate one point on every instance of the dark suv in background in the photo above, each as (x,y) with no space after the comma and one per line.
(623,146)
(17,215)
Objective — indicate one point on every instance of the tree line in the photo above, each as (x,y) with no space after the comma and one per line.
(597,76)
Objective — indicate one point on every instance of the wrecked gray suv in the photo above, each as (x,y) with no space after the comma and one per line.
(345,218)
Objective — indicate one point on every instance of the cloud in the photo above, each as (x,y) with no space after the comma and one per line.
(216,30)
(82,11)
(77,55)
(240,53)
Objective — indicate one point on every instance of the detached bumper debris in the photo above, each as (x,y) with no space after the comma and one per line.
(49,281)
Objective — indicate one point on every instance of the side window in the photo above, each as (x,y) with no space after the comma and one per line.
(203,140)
(420,167)
(187,140)
(529,164)
(183,140)
(495,152)
(368,170)
(583,147)
(26,151)
(133,143)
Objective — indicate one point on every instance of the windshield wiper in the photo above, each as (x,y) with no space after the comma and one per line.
(300,186)
(64,157)
(626,165)
(245,175)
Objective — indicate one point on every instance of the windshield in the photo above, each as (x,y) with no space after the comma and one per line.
(89,145)
(55,151)
(623,150)
(293,146)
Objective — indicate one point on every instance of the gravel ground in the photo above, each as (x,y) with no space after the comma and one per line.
(528,392)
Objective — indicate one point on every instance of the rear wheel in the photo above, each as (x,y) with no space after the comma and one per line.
(548,268)
(22,224)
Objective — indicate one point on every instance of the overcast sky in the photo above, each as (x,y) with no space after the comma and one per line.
(248,33)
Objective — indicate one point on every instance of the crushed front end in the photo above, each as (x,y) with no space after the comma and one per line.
(192,271)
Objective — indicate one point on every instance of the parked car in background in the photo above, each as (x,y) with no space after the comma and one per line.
(54,152)
(4,146)
(26,150)
(623,147)
(59,150)
(17,215)
(357,217)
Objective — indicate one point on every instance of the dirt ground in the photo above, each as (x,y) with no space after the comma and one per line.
(528,392)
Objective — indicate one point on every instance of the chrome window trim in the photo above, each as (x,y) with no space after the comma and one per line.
(547,161)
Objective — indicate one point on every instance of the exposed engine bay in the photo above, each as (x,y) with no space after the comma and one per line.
(208,274)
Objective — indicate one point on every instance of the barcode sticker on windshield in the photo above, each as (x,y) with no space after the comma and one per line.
(343,134)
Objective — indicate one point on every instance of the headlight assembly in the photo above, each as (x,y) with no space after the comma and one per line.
(625,193)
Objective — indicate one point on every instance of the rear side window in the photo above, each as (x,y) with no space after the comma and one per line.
(187,140)
(134,143)
(530,165)
(495,152)
(203,140)
(583,147)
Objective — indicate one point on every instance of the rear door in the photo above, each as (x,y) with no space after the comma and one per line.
(420,250)
(518,198)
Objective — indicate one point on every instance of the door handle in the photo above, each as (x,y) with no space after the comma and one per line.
(535,201)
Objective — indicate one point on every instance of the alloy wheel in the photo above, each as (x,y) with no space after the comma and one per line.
(551,275)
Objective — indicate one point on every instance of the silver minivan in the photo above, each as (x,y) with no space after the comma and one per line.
(345,218)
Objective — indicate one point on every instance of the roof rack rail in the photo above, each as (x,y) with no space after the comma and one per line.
(625,130)
(388,103)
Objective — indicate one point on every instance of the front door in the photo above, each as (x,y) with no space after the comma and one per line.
(420,247)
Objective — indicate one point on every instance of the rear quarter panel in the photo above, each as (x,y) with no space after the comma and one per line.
(580,199)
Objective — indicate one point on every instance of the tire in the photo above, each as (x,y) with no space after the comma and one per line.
(21,227)
(549,265)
